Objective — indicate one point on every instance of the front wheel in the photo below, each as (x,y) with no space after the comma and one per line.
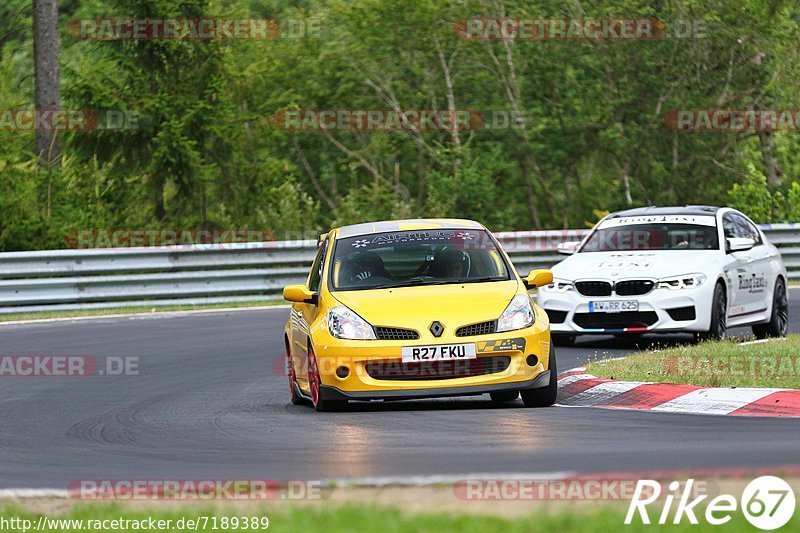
(719,316)
(545,396)
(778,325)
(315,386)
(504,396)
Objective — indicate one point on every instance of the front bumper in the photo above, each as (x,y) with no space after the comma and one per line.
(660,311)
(376,371)
(328,392)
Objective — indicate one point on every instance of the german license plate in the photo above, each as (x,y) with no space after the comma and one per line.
(613,306)
(441,352)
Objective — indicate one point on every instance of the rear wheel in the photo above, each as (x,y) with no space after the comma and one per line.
(545,396)
(719,316)
(504,396)
(778,325)
(296,399)
(315,385)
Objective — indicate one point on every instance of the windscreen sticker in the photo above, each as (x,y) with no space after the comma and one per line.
(388,239)
(698,220)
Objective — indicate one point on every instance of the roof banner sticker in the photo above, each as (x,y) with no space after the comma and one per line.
(698,220)
(388,239)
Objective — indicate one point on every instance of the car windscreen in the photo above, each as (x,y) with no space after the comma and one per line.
(414,258)
(652,236)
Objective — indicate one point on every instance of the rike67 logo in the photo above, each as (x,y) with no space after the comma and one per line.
(767,502)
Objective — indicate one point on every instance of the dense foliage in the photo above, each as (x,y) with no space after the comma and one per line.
(590,117)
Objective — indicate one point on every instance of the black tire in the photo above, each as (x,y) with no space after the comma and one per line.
(296,399)
(545,396)
(504,396)
(719,316)
(330,406)
(563,339)
(315,386)
(778,325)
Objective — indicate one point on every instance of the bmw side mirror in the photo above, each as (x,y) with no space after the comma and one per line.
(300,294)
(739,244)
(567,248)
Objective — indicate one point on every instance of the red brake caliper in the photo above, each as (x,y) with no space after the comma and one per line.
(313,377)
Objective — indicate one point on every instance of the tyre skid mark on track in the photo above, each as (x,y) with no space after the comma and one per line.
(579,389)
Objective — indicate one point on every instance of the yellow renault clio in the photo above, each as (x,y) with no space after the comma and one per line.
(417,309)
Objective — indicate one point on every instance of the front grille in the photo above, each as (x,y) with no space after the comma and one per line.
(395,334)
(431,370)
(593,288)
(556,317)
(627,319)
(634,287)
(484,328)
(682,313)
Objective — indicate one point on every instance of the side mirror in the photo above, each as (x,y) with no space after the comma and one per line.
(740,244)
(538,278)
(567,248)
(299,294)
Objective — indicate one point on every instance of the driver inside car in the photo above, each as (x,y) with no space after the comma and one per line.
(365,265)
(449,264)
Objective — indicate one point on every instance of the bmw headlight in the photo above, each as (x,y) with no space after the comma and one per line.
(344,323)
(559,286)
(518,314)
(688,281)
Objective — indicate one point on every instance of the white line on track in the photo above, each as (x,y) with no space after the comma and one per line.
(448,479)
(373,482)
(144,315)
(6,494)
(761,341)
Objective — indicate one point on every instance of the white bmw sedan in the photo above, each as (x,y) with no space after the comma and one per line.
(665,269)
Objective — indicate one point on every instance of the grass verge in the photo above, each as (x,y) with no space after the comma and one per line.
(39,315)
(774,363)
(368,518)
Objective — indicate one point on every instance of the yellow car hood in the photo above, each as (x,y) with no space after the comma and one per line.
(416,307)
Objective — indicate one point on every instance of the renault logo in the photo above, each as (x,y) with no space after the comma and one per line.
(437,329)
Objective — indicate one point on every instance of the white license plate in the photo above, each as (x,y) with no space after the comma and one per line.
(442,352)
(613,306)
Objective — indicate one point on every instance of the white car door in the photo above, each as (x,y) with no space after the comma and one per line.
(762,282)
(740,272)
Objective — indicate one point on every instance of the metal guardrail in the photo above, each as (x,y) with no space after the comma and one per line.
(220,273)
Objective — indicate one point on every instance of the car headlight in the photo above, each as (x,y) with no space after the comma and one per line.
(518,314)
(559,286)
(687,281)
(344,323)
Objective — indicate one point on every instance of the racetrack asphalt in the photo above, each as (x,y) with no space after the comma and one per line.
(207,404)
